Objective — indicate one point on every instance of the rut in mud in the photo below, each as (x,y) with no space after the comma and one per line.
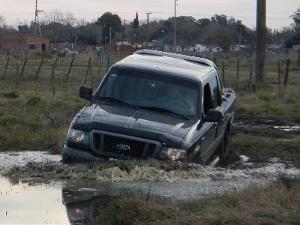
(43,166)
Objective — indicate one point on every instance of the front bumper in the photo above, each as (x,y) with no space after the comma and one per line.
(70,154)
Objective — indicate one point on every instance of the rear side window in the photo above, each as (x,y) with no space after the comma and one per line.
(207,101)
(215,89)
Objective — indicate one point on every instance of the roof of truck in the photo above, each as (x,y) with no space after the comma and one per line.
(175,65)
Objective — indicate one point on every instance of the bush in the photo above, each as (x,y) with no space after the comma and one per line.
(34,101)
(10,94)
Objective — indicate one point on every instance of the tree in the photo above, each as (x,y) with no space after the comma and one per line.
(2,21)
(5,28)
(109,21)
(135,27)
(88,34)
(24,29)
(295,38)
(296,18)
(136,22)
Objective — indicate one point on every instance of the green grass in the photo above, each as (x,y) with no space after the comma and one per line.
(278,204)
(261,147)
(270,104)
(32,122)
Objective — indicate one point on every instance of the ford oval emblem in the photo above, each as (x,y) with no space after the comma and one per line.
(122,147)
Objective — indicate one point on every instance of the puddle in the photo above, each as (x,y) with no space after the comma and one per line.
(49,192)
(285,126)
(288,128)
(25,204)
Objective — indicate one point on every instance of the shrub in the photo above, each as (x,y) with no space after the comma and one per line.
(10,94)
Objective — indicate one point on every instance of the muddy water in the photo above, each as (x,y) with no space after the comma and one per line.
(27,204)
(47,192)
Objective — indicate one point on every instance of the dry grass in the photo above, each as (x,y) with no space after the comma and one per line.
(279,204)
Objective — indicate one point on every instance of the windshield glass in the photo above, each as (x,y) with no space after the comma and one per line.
(148,91)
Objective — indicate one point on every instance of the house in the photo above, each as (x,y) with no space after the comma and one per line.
(296,47)
(23,43)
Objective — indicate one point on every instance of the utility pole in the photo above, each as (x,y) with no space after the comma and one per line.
(123,32)
(110,40)
(37,28)
(35,17)
(148,18)
(261,30)
(175,24)
(240,37)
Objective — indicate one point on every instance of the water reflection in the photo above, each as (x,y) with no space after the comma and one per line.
(84,204)
(29,203)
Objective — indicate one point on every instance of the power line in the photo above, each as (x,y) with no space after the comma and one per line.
(154,12)
(123,32)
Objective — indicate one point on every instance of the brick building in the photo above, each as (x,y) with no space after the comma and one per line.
(18,43)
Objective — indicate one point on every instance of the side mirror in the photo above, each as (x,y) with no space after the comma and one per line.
(86,92)
(214,116)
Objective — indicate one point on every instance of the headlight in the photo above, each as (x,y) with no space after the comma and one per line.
(78,136)
(173,154)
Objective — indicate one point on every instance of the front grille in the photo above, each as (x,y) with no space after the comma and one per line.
(121,146)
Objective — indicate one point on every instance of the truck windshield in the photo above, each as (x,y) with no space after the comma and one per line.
(151,92)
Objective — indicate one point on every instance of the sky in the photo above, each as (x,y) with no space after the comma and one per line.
(278,11)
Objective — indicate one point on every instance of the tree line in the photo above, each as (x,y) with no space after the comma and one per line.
(219,30)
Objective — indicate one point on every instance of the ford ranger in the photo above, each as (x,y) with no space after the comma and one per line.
(154,104)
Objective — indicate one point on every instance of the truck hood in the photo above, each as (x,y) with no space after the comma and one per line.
(146,124)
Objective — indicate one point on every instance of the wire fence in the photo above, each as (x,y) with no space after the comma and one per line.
(71,72)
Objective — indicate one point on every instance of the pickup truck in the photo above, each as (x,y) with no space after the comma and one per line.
(157,105)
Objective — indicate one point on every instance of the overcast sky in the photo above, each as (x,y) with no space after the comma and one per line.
(278,11)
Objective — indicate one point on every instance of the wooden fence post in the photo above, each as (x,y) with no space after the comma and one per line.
(20,75)
(88,69)
(39,69)
(91,75)
(53,76)
(238,73)
(286,76)
(223,72)
(279,73)
(70,69)
(250,74)
(298,58)
(6,67)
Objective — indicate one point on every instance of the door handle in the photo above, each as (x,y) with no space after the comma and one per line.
(202,139)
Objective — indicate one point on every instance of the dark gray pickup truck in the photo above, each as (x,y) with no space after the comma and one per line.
(154,105)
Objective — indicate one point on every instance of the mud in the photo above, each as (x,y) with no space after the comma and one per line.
(38,189)
(285,126)
(41,165)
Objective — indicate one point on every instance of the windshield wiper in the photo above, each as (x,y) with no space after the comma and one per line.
(162,110)
(116,101)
